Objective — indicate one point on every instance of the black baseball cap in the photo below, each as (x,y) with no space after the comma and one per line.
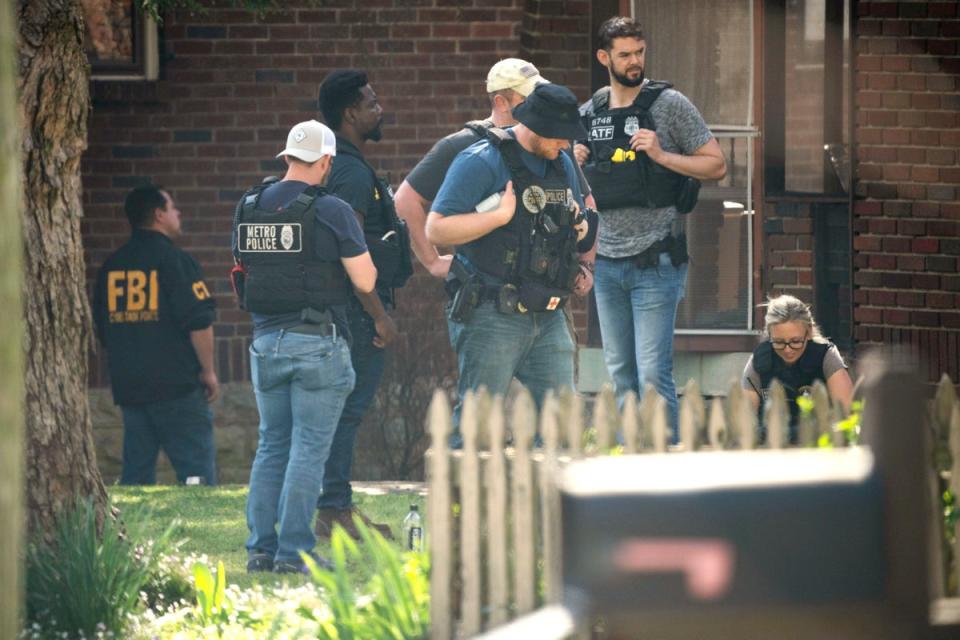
(551,111)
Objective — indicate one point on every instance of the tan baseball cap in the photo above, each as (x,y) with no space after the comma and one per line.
(309,141)
(516,74)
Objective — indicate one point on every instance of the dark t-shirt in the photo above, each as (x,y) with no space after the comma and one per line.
(149,296)
(429,173)
(336,235)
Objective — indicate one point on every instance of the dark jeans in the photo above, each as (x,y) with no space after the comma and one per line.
(368,363)
(183,427)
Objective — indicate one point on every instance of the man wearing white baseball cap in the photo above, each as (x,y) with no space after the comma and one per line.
(299,254)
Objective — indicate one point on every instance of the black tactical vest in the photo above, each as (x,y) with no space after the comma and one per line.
(537,250)
(387,236)
(281,273)
(618,176)
(795,378)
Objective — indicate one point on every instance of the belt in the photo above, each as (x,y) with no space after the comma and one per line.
(649,256)
(326,329)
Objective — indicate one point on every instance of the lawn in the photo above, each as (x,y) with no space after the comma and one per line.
(212,522)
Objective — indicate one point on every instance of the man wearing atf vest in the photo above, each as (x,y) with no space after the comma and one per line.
(154,314)
(647,148)
(509,82)
(350,107)
(300,253)
(512,205)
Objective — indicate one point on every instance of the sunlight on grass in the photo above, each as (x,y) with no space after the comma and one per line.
(213,523)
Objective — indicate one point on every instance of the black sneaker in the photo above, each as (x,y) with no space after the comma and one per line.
(259,561)
(298,566)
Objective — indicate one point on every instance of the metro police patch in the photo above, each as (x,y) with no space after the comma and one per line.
(271,237)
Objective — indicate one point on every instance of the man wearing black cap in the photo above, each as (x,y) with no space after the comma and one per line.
(512,206)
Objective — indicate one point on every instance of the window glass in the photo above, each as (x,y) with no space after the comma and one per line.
(704,49)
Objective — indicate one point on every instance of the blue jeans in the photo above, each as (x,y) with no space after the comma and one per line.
(301,382)
(492,348)
(637,309)
(183,427)
(368,362)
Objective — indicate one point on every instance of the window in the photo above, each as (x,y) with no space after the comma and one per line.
(705,49)
(806,97)
(120,40)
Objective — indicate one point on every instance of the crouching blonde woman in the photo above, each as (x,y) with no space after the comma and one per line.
(796,354)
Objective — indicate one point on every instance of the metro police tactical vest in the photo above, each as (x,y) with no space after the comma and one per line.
(537,250)
(795,378)
(276,251)
(618,176)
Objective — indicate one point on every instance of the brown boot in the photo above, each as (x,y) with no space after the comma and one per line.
(327,518)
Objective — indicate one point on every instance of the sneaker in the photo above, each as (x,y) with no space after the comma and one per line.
(259,561)
(326,518)
(298,566)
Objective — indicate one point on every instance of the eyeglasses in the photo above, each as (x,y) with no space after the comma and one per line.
(794,343)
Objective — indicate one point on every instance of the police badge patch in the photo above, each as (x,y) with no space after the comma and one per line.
(286,237)
(534,199)
(631,125)
(269,237)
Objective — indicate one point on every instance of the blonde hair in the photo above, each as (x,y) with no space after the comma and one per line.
(786,308)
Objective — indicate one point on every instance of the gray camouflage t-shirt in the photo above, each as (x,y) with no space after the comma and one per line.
(680,129)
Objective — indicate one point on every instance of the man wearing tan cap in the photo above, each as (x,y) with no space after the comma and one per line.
(509,82)
(300,254)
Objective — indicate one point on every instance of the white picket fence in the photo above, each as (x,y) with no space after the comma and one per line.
(493,512)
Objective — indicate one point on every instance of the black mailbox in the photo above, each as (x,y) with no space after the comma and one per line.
(758,544)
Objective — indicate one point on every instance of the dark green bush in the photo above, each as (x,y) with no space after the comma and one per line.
(87,581)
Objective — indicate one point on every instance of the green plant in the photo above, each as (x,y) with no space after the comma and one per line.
(395,604)
(211,605)
(88,579)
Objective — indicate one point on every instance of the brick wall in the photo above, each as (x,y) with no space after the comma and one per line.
(907,219)
(232,85)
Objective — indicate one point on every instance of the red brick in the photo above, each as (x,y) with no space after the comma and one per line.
(942,301)
(926,281)
(911,156)
(868,314)
(896,245)
(925,318)
(797,226)
(896,136)
(926,245)
(896,64)
(908,263)
(896,317)
(891,173)
(941,156)
(883,226)
(881,298)
(911,191)
(925,174)
(911,227)
(910,299)
(866,243)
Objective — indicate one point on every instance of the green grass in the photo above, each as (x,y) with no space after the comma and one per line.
(213,523)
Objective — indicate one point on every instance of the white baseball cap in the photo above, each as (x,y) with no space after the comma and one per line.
(516,74)
(309,141)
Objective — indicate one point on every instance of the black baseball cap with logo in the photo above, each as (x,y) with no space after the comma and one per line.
(550,111)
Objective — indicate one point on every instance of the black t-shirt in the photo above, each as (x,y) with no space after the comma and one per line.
(429,173)
(336,235)
(353,181)
(148,297)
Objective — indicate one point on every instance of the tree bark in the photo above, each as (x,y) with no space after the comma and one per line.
(54,103)
(11,336)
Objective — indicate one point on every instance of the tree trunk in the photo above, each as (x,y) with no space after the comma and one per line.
(54,101)
(11,336)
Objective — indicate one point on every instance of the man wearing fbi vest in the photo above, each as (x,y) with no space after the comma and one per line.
(154,314)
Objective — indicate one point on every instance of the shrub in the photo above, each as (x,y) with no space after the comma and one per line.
(87,580)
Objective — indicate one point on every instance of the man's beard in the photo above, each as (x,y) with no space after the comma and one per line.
(374,134)
(625,80)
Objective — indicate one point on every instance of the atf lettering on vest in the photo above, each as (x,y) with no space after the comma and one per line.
(618,178)
(133,296)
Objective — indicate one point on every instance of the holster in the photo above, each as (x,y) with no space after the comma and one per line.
(467,287)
